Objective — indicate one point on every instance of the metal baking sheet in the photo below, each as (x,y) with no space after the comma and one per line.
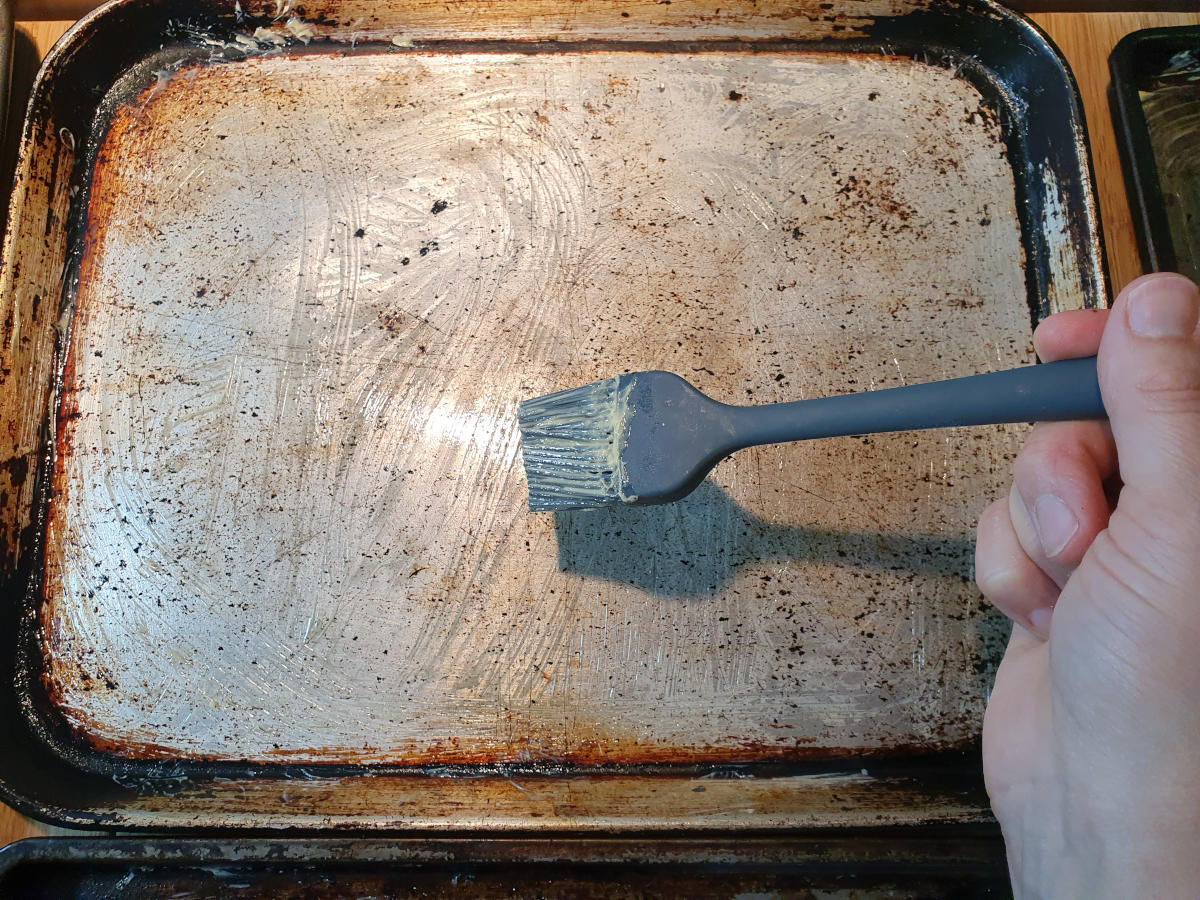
(288,448)
(286,275)
(1155,105)
(961,865)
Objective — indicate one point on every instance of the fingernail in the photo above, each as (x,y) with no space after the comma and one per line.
(1055,523)
(1040,619)
(1164,307)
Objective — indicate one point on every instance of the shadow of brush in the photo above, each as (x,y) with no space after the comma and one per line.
(694,547)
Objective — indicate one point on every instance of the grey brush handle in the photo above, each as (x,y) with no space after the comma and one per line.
(1051,392)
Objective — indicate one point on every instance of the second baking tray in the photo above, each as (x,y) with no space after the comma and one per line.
(959,865)
(1155,98)
(278,277)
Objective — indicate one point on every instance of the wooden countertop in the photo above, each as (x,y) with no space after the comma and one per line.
(1085,39)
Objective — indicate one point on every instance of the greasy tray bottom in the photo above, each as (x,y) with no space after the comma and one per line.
(288,519)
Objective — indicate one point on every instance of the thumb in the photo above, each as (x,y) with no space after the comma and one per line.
(1149,365)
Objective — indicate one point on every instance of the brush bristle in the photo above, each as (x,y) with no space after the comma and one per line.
(570,442)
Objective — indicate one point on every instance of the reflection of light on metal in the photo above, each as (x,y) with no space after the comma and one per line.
(447,422)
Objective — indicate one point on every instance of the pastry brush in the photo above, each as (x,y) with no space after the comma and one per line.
(651,437)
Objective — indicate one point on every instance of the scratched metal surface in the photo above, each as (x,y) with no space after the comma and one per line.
(288,520)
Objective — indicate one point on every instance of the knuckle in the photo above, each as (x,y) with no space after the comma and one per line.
(1122,584)
(996,582)
(989,531)
(1051,447)
(1171,391)
(998,572)
(1155,538)
(1145,590)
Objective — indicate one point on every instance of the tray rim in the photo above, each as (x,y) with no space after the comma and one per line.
(977,850)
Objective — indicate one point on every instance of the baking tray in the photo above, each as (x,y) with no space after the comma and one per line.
(939,866)
(275,280)
(1155,103)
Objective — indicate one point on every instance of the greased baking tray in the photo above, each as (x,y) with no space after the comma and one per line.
(275,279)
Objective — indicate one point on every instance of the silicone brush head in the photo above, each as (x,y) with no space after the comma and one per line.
(570,444)
(644,438)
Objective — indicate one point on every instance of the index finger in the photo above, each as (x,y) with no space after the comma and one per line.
(1070,334)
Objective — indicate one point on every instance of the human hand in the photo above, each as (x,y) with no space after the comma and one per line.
(1091,740)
